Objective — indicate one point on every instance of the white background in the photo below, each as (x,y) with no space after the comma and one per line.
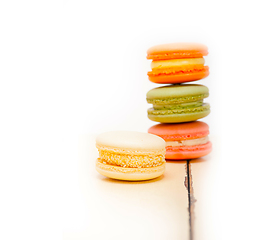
(71,68)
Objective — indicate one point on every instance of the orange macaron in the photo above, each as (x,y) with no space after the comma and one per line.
(177,62)
(184,140)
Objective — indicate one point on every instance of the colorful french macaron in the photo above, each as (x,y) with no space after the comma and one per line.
(184,140)
(177,62)
(131,156)
(178,103)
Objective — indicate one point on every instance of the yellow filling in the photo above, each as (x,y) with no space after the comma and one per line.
(177,63)
(112,168)
(131,160)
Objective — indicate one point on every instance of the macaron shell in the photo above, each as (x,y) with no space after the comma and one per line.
(178,91)
(129,174)
(189,152)
(180,131)
(177,118)
(179,77)
(130,140)
(177,51)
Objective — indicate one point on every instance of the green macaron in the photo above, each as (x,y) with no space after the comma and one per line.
(178,103)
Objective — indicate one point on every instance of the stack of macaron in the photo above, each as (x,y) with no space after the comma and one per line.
(135,156)
(179,105)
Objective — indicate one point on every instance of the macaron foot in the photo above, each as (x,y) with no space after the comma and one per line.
(129,174)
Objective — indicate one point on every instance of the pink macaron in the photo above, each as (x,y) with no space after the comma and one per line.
(184,140)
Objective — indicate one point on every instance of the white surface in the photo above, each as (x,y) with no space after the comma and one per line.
(207,223)
(63,64)
(114,209)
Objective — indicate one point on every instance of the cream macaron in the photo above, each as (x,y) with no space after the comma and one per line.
(131,156)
